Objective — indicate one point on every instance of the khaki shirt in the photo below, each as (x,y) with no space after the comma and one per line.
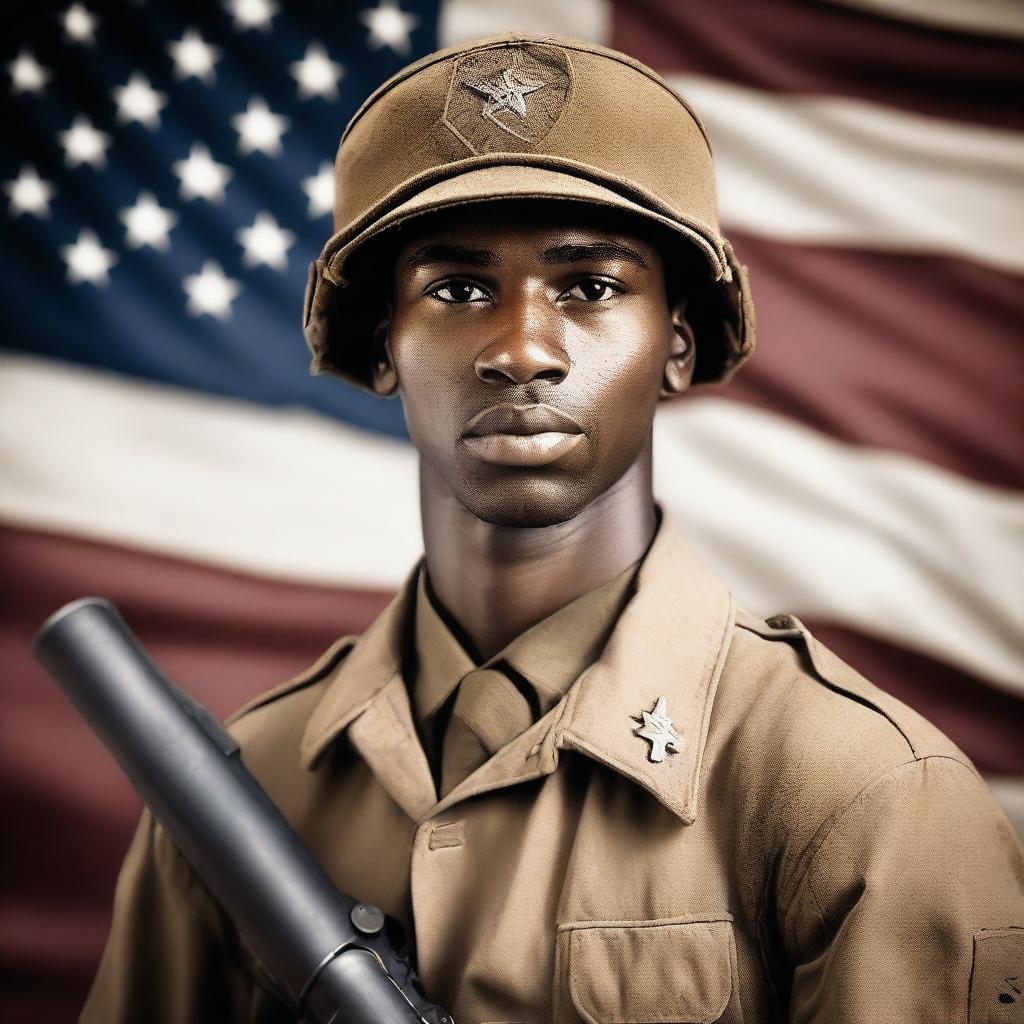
(814,851)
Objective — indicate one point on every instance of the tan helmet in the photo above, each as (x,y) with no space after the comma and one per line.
(531,117)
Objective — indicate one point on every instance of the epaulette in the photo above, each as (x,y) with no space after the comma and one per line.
(831,671)
(323,666)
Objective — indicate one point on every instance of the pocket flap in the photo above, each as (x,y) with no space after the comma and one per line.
(652,972)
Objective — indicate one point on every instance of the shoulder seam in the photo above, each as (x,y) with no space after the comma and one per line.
(326,664)
(796,630)
(812,645)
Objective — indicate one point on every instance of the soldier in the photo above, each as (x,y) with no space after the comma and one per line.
(589,786)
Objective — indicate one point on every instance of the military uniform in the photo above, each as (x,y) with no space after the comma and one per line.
(651,807)
(812,851)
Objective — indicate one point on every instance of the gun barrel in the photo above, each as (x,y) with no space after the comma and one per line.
(187,768)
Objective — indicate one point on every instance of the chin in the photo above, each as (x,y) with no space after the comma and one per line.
(526,503)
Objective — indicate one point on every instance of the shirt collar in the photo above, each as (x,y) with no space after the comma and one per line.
(670,640)
(550,655)
(372,664)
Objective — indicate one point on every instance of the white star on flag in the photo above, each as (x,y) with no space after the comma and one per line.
(210,291)
(79,25)
(317,74)
(147,223)
(83,144)
(29,193)
(252,13)
(193,57)
(320,190)
(259,129)
(389,26)
(201,176)
(27,74)
(139,101)
(87,260)
(266,242)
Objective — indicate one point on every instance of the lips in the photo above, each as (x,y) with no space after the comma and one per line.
(522,420)
(521,435)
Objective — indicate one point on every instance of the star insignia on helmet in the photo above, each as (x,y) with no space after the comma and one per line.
(507,91)
(656,727)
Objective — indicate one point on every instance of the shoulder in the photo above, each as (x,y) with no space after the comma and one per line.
(792,685)
(811,737)
(268,730)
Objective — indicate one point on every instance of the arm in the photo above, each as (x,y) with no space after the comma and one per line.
(912,907)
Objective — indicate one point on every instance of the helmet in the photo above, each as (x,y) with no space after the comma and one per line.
(529,117)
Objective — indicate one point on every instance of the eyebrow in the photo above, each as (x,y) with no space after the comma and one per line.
(442,253)
(593,251)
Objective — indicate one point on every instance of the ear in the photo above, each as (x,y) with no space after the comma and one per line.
(682,349)
(382,371)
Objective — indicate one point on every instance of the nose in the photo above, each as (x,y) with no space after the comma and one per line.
(528,347)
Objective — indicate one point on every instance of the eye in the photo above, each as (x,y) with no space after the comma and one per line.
(592,290)
(459,292)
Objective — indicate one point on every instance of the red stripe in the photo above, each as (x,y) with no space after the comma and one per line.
(224,636)
(826,49)
(920,354)
(986,723)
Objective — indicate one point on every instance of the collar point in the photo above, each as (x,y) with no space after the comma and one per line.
(664,790)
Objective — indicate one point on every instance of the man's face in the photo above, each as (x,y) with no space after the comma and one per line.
(530,352)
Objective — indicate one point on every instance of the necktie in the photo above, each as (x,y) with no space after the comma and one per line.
(488,713)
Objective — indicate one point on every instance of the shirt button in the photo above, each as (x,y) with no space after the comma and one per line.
(781,621)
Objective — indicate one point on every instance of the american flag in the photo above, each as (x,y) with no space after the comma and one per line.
(167,181)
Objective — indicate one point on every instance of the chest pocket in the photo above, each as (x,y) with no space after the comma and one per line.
(649,972)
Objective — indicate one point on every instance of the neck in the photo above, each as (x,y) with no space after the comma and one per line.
(497,581)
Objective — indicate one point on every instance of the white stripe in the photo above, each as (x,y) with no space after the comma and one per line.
(848,172)
(1009,794)
(282,493)
(461,20)
(993,17)
(793,520)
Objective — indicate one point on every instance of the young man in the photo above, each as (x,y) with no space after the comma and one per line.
(590,786)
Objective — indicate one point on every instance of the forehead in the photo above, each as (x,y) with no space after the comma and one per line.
(530,226)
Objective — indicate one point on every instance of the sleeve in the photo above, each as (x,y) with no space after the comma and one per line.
(912,906)
(171,956)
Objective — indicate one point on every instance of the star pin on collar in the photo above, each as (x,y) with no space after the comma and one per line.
(507,91)
(656,728)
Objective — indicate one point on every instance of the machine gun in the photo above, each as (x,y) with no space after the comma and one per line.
(327,951)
